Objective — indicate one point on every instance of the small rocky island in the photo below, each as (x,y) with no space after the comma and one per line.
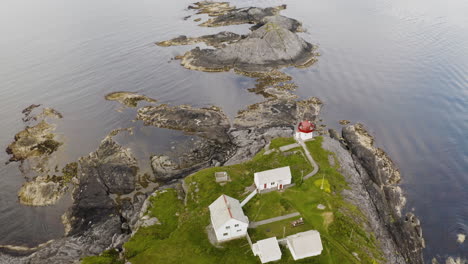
(111,215)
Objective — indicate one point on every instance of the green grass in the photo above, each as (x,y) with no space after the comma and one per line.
(323,184)
(267,205)
(279,229)
(181,237)
(107,257)
(279,142)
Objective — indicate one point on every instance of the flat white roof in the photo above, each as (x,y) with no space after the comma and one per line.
(273,175)
(305,244)
(267,249)
(225,208)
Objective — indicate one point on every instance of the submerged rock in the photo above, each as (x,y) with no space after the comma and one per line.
(33,141)
(41,191)
(207,122)
(217,40)
(128,99)
(381,178)
(265,49)
(212,8)
(35,148)
(272,84)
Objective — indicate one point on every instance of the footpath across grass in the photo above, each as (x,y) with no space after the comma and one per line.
(181,236)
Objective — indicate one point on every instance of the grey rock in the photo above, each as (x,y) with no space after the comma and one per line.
(207,122)
(217,40)
(286,22)
(265,49)
(381,179)
(247,15)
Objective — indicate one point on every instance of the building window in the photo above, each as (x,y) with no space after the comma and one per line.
(236,225)
(227,227)
(272,183)
(238,230)
(225,234)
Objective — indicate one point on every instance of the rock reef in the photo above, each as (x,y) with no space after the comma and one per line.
(217,40)
(35,141)
(128,99)
(35,149)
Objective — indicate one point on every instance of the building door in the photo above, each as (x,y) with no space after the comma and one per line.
(264,186)
(281,186)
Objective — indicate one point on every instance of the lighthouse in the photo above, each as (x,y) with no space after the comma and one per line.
(305,130)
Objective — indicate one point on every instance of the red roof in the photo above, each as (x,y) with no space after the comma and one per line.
(306,127)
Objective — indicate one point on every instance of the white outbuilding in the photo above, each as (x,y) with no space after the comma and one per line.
(276,178)
(228,218)
(305,244)
(267,250)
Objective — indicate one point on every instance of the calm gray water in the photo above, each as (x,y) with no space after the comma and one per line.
(399,66)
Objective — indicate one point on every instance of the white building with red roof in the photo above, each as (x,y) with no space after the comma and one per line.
(305,130)
(228,219)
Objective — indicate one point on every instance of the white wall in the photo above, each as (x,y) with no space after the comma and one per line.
(261,186)
(304,136)
(233,230)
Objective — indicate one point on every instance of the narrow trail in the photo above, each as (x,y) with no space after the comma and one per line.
(311,160)
(272,220)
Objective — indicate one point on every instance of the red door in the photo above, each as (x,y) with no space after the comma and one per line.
(264,186)
(281,186)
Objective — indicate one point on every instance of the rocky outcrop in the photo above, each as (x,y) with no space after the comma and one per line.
(196,154)
(267,48)
(277,113)
(217,40)
(208,122)
(237,16)
(380,177)
(95,222)
(288,23)
(128,99)
(111,169)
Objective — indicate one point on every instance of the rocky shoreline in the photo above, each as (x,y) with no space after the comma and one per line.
(98,221)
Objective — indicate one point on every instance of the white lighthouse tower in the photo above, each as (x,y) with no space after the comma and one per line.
(305,130)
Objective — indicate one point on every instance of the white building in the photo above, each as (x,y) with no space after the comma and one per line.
(305,130)
(267,250)
(275,178)
(305,244)
(228,219)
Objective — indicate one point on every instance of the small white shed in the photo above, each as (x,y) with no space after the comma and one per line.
(305,244)
(267,250)
(228,218)
(276,178)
